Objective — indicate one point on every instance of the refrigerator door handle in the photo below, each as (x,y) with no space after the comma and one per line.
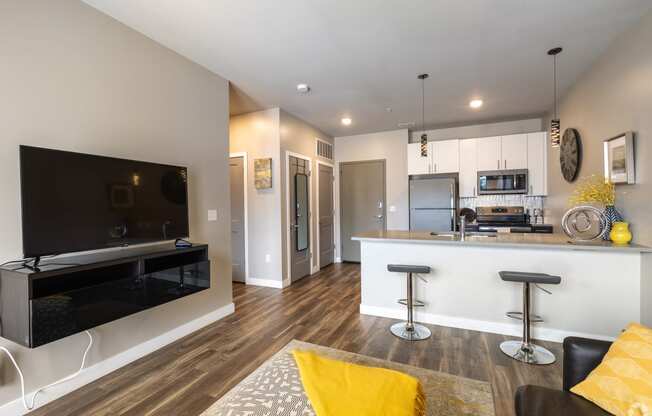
(453,208)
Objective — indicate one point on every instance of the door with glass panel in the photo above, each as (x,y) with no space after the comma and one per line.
(299,218)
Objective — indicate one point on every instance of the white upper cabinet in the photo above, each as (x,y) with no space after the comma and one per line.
(468,170)
(514,151)
(469,156)
(417,164)
(537,152)
(489,157)
(443,157)
(446,156)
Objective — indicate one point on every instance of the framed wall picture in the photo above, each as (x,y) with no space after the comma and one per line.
(263,173)
(619,159)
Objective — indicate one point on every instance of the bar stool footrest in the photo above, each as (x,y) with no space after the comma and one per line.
(519,317)
(415,303)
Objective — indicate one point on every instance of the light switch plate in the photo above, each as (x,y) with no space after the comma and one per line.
(212,215)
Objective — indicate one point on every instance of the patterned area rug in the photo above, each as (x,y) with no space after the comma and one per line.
(274,388)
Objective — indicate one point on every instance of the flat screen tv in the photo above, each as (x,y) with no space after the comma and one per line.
(76,202)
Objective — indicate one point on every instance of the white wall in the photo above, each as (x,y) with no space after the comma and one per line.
(502,128)
(73,78)
(390,146)
(257,134)
(613,97)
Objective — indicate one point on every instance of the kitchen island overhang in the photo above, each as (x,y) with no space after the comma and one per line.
(603,287)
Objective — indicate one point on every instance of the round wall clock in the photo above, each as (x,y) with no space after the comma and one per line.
(570,154)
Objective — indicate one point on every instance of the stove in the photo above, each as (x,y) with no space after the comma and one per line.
(507,220)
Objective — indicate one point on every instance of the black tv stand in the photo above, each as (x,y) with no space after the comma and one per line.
(42,301)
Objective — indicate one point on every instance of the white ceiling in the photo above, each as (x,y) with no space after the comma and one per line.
(362,56)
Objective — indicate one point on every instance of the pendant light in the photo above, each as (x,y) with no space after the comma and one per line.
(555,125)
(424,136)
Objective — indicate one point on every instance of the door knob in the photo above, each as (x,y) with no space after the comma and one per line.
(379,216)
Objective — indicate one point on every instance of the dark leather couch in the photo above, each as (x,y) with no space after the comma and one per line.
(581,356)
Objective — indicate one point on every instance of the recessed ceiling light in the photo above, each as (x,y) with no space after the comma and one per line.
(477,103)
(303,88)
(347,121)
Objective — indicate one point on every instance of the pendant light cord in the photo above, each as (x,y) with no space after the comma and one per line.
(423,106)
(555,81)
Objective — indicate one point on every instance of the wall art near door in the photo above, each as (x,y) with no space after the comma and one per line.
(619,165)
(263,173)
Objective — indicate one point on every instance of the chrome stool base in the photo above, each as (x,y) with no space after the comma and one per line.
(416,333)
(530,354)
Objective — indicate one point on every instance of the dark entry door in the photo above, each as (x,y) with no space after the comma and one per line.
(362,202)
(326,227)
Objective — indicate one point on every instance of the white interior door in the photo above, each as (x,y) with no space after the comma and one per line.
(514,151)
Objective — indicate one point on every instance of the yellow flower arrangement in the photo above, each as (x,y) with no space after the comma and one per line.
(594,189)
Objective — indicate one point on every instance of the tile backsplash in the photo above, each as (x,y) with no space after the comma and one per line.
(529,202)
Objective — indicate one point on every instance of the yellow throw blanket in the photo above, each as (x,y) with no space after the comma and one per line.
(337,388)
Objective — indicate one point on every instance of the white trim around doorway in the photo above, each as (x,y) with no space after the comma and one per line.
(317,232)
(288,236)
(245,165)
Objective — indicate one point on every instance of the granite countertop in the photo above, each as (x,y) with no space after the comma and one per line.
(516,240)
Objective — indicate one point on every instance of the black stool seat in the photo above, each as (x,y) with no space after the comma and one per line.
(540,278)
(406,268)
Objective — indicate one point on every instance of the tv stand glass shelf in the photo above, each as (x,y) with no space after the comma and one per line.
(67,295)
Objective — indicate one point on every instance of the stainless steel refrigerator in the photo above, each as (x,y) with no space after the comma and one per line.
(433,204)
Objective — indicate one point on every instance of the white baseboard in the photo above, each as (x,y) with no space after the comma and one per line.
(265,282)
(105,367)
(315,269)
(287,282)
(338,259)
(516,330)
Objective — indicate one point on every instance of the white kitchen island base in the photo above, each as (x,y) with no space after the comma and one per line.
(602,289)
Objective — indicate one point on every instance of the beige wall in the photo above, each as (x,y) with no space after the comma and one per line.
(273,133)
(257,134)
(297,136)
(613,97)
(390,146)
(74,79)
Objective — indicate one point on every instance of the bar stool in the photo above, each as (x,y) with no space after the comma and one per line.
(524,350)
(409,330)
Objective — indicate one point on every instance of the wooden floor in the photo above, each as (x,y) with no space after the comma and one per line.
(187,376)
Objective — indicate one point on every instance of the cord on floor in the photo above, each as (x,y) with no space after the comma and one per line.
(63,380)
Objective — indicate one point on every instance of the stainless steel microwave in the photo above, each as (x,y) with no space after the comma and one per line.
(503,182)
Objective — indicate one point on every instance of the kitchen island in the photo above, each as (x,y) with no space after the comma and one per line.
(603,287)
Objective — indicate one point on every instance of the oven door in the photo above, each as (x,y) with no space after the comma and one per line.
(503,182)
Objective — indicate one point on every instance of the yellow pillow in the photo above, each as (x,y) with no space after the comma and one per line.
(622,383)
